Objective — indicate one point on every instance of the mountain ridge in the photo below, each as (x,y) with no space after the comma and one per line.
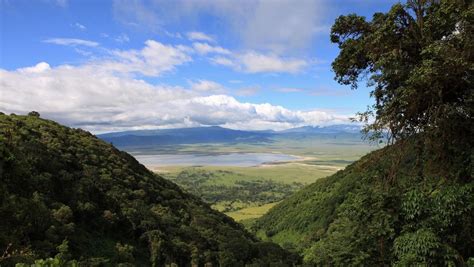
(217,134)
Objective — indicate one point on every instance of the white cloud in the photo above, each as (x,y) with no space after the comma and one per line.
(203,49)
(154,59)
(38,68)
(80,26)
(223,61)
(71,42)
(199,36)
(82,96)
(253,62)
(207,86)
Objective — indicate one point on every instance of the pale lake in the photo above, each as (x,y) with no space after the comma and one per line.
(228,159)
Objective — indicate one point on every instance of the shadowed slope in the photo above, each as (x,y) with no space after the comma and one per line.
(395,205)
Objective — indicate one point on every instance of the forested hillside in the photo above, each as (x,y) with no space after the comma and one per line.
(66,194)
(412,202)
(386,208)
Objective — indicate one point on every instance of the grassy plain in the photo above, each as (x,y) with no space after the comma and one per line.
(245,193)
(251,212)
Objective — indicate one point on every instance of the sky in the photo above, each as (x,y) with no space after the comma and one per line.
(130,64)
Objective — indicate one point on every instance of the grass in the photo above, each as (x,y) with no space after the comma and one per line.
(285,173)
(250,212)
(288,173)
(318,158)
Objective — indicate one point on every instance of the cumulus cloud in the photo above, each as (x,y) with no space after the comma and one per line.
(203,49)
(154,59)
(199,36)
(100,101)
(71,42)
(81,96)
(207,86)
(38,68)
(223,61)
(253,62)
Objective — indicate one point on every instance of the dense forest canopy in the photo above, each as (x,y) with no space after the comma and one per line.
(378,211)
(68,194)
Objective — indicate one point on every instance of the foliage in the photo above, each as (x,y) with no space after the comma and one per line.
(61,259)
(64,194)
(242,193)
(387,208)
(418,58)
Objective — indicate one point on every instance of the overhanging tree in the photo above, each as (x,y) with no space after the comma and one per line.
(419,59)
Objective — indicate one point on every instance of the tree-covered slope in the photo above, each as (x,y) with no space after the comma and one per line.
(64,192)
(390,207)
(411,203)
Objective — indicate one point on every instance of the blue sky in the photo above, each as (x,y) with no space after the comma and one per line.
(116,65)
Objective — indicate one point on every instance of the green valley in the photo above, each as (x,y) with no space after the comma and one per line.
(233,190)
(247,192)
(235,147)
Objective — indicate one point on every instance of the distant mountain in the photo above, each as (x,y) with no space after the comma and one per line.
(334,132)
(213,134)
(340,128)
(216,134)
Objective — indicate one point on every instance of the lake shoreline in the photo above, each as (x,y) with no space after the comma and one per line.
(225,159)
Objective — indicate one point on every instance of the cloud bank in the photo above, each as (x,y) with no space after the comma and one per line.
(100,100)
